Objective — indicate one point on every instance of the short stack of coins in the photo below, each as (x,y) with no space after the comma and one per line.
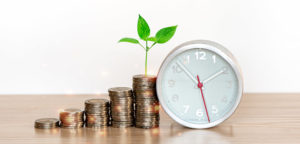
(97,113)
(146,101)
(46,123)
(121,106)
(71,118)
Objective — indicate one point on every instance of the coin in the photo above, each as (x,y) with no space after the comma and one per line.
(122,110)
(146,102)
(97,113)
(145,93)
(96,125)
(71,118)
(120,91)
(119,124)
(97,103)
(144,78)
(147,125)
(46,123)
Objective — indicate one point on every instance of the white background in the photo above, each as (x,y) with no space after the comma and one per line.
(70,46)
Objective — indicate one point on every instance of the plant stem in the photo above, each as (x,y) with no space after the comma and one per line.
(146,63)
(146,59)
(152,45)
(142,46)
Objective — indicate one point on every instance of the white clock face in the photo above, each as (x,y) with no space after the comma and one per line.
(198,101)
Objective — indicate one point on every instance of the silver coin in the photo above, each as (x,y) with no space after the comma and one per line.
(146,102)
(46,123)
(97,112)
(121,124)
(96,125)
(120,91)
(71,118)
(96,102)
(142,77)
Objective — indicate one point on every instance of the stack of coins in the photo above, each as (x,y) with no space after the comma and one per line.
(121,106)
(71,118)
(97,113)
(146,101)
(46,123)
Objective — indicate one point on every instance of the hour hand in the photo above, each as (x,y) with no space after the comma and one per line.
(187,72)
(215,75)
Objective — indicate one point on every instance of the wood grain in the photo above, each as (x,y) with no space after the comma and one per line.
(260,118)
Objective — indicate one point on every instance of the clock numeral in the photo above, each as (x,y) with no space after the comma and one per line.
(186,108)
(171,83)
(214,59)
(200,55)
(229,84)
(214,109)
(186,60)
(176,69)
(199,113)
(224,99)
(175,98)
(225,70)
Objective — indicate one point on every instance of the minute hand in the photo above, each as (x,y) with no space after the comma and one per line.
(214,75)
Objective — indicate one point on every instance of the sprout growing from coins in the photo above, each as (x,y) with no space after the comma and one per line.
(161,37)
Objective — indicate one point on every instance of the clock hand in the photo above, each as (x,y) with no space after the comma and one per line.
(186,71)
(200,85)
(214,75)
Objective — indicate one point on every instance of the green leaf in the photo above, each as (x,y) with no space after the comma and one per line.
(130,40)
(153,39)
(143,28)
(165,34)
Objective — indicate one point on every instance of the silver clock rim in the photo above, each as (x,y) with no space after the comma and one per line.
(209,45)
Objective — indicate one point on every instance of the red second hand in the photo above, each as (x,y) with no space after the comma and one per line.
(200,85)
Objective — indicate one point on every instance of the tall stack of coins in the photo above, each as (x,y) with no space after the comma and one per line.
(121,106)
(46,123)
(146,101)
(97,112)
(71,118)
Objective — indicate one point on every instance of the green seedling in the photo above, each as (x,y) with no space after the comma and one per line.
(143,29)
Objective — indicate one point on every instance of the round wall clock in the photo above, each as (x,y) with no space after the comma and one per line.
(199,84)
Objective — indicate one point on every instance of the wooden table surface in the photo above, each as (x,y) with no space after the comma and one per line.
(260,118)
